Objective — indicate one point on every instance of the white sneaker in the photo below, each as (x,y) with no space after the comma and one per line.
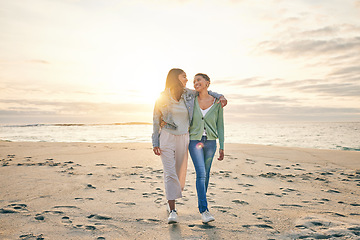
(207,217)
(173,217)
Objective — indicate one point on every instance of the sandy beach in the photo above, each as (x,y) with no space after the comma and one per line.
(116,191)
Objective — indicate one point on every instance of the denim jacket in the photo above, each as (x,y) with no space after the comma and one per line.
(163,111)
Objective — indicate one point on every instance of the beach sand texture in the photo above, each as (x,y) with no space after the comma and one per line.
(116,191)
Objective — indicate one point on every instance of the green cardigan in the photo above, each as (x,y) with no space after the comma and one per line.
(213,122)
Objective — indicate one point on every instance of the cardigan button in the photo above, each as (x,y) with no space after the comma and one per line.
(202,118)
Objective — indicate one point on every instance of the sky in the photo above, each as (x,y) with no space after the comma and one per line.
(96,61)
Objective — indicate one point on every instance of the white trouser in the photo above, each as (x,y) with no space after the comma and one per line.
(174,156)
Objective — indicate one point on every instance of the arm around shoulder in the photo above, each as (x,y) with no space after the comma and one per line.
(215,94)
(221,98)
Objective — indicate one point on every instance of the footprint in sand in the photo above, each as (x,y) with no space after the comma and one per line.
(99,217)
(288,190)
(39,217)
(158,200)
(321,228)
(240,202)
(321,179)
(14,208)
(31,236)
(272,194)
(265,226)
(149,220)
(90,186)
(333,191)
(137,167)
(291,205)
(202,226)
(335,214)
(54,212)
(226,190)
(245,185)
(89,227)
(126,203)
(66,220)
(221,208)
(65,207)
(250,161)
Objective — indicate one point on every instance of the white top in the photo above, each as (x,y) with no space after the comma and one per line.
(204,113)
(180,117)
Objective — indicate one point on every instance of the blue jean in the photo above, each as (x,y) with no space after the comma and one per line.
(202,153)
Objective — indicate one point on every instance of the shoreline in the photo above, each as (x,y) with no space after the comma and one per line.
(116,191)
(313,135)
(149,142)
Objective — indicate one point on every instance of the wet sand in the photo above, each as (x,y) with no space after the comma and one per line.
(116,191)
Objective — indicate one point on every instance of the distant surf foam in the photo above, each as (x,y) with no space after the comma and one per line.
(340,136)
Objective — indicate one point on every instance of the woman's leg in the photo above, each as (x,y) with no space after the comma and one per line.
(171,204)
(197,156)
(171,180)
(209,152)
(181,157)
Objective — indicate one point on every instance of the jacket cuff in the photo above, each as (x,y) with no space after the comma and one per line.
(222,145)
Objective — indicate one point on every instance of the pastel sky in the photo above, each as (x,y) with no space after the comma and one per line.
(96,61)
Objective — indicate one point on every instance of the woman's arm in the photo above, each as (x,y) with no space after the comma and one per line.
(219,96)
(156,128)
(220,130)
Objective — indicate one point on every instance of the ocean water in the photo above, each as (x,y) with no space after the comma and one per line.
(321,135)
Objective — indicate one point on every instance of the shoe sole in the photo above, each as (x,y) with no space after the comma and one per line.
(208,221)
(172,221)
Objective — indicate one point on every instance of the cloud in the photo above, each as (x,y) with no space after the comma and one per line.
(252,82)
(279,112)
(320,32)
(309,47)
(263,99)
(25,112)
(294,37)
(239,82)
(38,61)
(80,108)
(346,71)
(280,109)
(257,90)
(357,4)
(334,89)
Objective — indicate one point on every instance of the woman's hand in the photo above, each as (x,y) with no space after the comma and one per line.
(157,151)
(221,154)
(223,101)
